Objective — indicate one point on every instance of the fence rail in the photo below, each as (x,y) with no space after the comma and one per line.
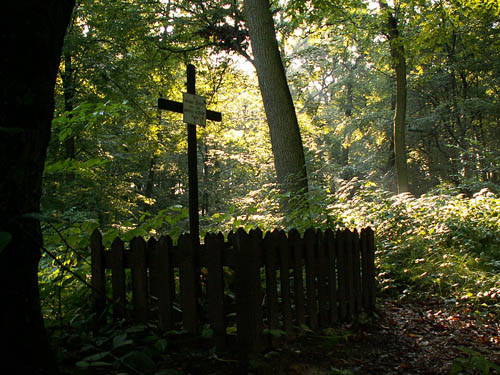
(255,281)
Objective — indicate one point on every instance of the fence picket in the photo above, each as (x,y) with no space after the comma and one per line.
(332,275)
(310,255)
(351,300)
(118,278)
(98,277)
(323,285)
(139,278)
(356,272)
(248,297)
(368,268)
(298,281)
(166,282)
(215,288)
(188,283)
(154,273)
(284,256)
(269,245)
(341,269)
(371,269)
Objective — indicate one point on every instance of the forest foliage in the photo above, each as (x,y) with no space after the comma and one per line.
(116,163)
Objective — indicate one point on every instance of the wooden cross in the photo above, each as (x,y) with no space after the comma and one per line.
(195,113)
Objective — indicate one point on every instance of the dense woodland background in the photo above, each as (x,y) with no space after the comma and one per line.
(116,163)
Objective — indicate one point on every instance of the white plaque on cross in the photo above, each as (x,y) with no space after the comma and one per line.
(194,109)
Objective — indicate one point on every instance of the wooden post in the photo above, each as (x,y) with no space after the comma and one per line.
(371,269)
(348,250)
(332,275)
(249,296)
(269,245)
(322,272)
(139,278)
(215,288)
(341,267)
(166,281)
(188,283)
(310,253)
(356,269)
(118,278)
(284,255)
(298,280)
(154,273)
(194,216)
(192,151)
(368,268)
(98,280)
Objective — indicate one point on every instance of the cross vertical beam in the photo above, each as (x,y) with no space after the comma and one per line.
(194,216)
(170,105)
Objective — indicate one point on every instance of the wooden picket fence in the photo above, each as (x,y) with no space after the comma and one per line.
(258,283)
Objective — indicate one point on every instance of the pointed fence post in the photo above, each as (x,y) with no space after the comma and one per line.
(269,245)
(332,275)
(356,269)
(311,286)
(285,262)
(118,278)
(322,266)
(98,278)
(139,278)
(342,270)
(165,280)
(249,294)
(188,282)
(296,243)
(368,268)
(348,251)
(215,288)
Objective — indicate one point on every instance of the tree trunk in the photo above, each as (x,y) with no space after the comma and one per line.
(68,83)
(288,152)
(32,37)
(399,62)
(148,193)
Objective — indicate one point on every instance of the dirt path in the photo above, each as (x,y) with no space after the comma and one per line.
(407,339)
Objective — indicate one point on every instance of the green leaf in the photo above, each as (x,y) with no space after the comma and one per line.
(277,333)
(121,340)
(96,357)
(83,364)
(139,360)
(5,238)
(137,328)
(161,345)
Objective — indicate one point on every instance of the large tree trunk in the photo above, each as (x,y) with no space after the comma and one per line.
(399,62)
(400,120)
(286,141)
(32,36)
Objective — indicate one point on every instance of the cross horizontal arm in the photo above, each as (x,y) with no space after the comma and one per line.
(174,106)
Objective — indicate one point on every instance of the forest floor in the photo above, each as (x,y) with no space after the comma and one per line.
(407,338)
(403,338)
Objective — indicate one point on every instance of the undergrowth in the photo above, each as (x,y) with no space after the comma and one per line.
(442,245)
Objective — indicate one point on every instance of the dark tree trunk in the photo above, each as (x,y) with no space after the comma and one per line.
(151,178)
(399,61)
(286,141)
(32,34)
(69,98)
